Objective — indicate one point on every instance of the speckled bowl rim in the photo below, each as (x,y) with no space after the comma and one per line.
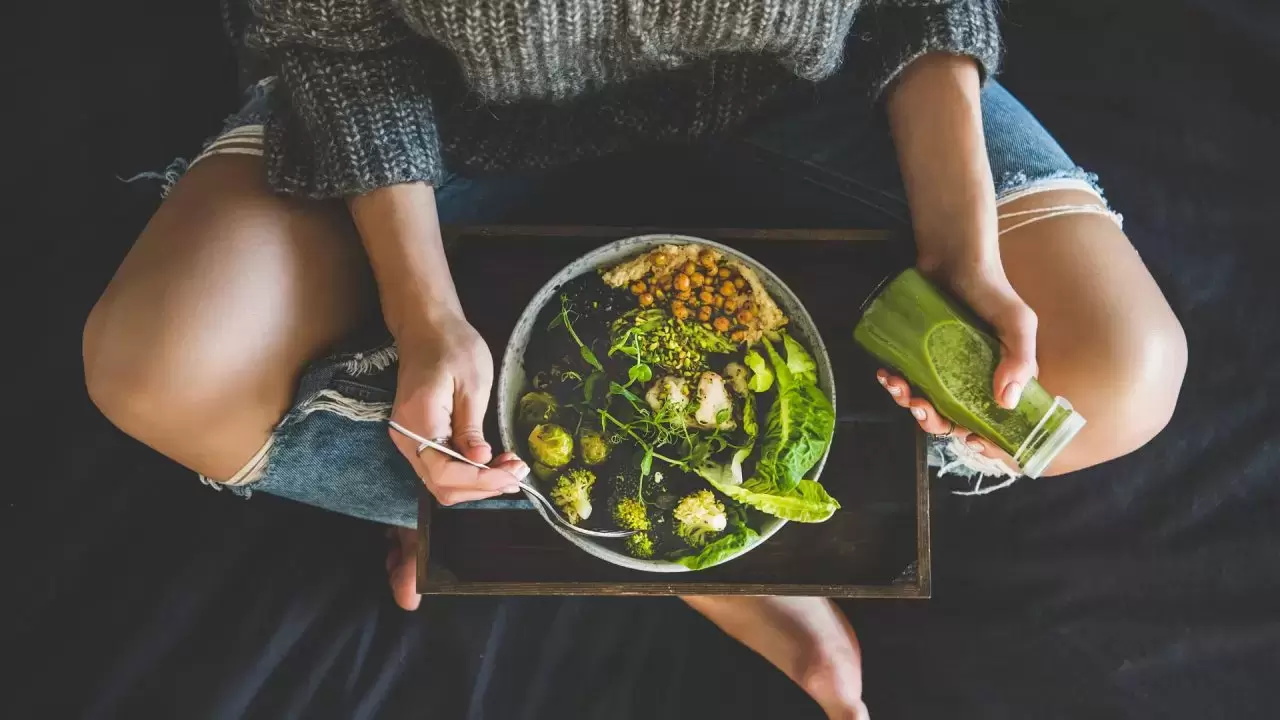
(513,380)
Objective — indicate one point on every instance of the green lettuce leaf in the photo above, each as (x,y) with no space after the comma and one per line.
(722,549)
(761,376)
(801,364)
(807,503)
(800,422)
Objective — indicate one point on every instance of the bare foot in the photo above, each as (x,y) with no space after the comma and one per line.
(808,639)
(402,566)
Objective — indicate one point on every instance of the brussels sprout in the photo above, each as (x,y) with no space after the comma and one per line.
(537,408)
(542,472)
(594,447)
(551,445)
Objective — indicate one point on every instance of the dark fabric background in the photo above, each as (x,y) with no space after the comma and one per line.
(1149,588)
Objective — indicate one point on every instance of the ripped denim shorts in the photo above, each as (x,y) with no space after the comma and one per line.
(332,450)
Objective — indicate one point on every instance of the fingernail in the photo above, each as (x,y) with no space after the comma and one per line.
(476,441)
(894,391)
(521,472)
(975,446)
(511,490)
(919,413)
(1012,394)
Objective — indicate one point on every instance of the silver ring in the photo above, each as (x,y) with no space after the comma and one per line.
(950,429)
(445,441)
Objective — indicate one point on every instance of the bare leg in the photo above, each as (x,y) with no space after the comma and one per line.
(808,639)
(196,346)
(1107,340)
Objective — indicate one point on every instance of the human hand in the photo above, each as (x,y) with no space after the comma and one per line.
(980,282)
(445,376)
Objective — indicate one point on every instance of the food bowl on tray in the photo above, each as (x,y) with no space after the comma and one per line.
(516,379)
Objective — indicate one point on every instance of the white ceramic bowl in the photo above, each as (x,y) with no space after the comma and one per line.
(513,381)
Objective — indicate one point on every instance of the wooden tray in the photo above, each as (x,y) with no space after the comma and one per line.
(877,545)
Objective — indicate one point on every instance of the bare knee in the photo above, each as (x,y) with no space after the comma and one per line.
(125,378)
(1127,387)
(206,419)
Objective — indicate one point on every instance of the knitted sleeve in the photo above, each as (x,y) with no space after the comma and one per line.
(356,112)
(890,34)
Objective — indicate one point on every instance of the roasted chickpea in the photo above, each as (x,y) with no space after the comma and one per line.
(681,282)
(730,305)
(738,335)
(638,287)
(739,282)
(744,316)
(705,296)
(704,313)
(721,324)
(696,278)
(646,299)
(724,273)
(679,311)
(660,259)
(689,268)
(685,296)
(719,301)
(707,258)
(727,289)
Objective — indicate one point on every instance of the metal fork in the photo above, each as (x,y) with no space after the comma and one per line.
(424,443)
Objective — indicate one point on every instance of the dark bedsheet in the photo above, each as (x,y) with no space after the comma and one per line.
(1147,588)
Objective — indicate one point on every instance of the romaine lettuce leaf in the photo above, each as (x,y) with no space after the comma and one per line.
(807,503)
(800,422)
(722,549)
(761,376)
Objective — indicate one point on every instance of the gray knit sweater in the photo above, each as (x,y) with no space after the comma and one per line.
(379,92)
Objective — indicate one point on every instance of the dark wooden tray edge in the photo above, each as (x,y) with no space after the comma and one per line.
(915,583)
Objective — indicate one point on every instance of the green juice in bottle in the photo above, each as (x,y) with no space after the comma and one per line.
(926,337)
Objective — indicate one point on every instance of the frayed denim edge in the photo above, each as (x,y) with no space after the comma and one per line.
(256,110)
(952,457)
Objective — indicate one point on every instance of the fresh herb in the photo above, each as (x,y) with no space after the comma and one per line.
(563,319)
(730,473)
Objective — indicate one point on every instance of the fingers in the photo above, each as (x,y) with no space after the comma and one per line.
(932,422)
(974,441)
(897,388)
(1016,327)
(469,404)
(925,414)
(452,481)
(402,568)
(929,419)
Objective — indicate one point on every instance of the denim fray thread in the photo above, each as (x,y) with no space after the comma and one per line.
(256,110)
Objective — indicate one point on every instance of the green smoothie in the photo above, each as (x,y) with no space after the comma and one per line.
(921,333)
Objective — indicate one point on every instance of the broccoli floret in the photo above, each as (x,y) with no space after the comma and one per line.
(698,517)
(551,445)
(640,545)
(630,513)
(572,494)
